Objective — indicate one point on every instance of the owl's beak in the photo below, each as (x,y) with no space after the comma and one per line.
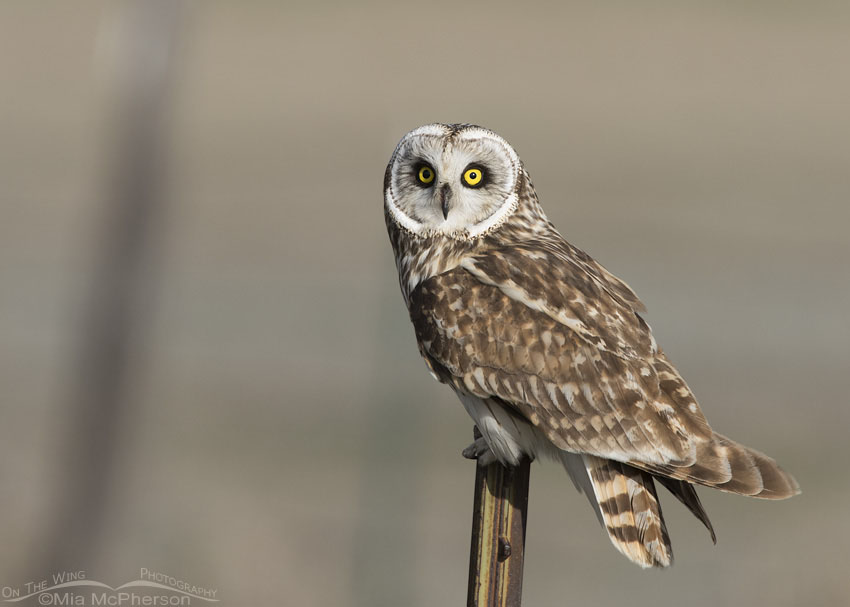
(445,199)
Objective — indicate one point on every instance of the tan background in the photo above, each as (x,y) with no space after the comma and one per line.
(283,442)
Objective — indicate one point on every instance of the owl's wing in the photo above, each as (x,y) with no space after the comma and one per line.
(557,338)
(565,349)
(553,277)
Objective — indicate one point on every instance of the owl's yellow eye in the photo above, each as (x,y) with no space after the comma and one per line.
(425,175)
(473,177)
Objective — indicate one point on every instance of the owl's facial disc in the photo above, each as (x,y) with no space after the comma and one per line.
(455,181)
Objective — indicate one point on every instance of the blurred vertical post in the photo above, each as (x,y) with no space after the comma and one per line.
(499,516)
(136,47)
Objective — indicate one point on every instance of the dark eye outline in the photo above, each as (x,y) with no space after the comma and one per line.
(474,167)
(417,171)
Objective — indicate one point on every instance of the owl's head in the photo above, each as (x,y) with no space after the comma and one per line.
(456,180)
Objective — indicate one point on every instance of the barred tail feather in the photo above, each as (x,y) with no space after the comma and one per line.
(631,512)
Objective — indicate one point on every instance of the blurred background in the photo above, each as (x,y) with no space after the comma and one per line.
(207,368)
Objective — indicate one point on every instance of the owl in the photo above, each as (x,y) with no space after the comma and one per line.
(547,351)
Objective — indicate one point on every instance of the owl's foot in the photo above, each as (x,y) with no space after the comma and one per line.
(480,451)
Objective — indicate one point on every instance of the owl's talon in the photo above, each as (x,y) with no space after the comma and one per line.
(480,450)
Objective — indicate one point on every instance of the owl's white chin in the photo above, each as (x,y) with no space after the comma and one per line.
(455,221)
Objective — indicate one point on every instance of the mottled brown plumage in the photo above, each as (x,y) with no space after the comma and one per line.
(547,349)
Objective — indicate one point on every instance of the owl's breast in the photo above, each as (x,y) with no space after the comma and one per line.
(420,258)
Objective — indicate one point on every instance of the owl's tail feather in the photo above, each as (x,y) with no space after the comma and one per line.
(628,506)
(687,494)
(631,512)
(729,466)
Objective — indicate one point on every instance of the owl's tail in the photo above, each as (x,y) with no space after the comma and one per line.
(627,505)
(723,464)
(630,511)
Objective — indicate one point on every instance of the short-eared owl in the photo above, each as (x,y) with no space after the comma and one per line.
(546,349)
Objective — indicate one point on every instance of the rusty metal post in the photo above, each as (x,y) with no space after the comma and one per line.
(499,516)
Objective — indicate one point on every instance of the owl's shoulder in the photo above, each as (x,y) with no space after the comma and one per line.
(545,276)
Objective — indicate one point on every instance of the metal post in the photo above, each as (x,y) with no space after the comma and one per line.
(498,535)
